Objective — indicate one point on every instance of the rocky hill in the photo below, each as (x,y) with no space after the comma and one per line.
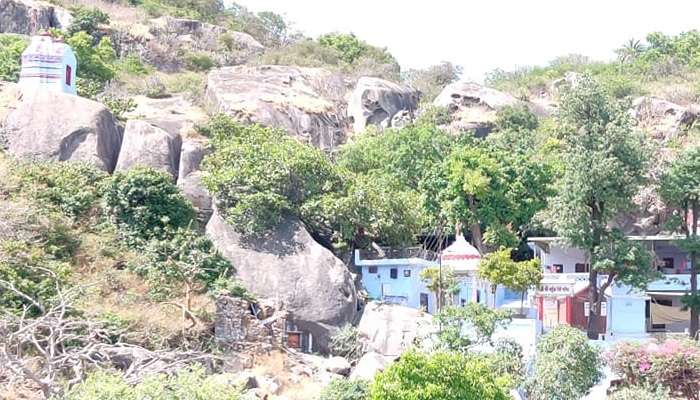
(206,190)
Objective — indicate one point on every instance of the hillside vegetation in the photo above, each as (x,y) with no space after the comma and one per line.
(109,278)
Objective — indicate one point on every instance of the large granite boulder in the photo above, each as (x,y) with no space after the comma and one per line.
(175,115)
(58,126)
(149,146)
(369,365)
(190,178)
(377,101)
(313,286)
(28,17)
(390,329)
(306,102)
(662,119)
(473,107)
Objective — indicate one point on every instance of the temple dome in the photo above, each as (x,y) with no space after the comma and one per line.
(461,256)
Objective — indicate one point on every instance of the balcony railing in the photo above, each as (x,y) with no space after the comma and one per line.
(394,253)
(670,282)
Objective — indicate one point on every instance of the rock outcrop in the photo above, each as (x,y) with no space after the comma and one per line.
(175,115)
(662,119)
(313,285)
(377,102)
(473,107)
(389,329)
(149,146)
(57,126)
(306,102)
(190,178)
(369,365)
(28,17)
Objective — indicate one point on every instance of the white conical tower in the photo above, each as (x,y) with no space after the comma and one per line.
(461,256)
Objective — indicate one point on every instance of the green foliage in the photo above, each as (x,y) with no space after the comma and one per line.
(11,48)
(132,64)
(185,384)
(349,46)
(481,321)
(430,81)
(199,62)
(438,376)
(86,20)
(203,10)
(441,281)
(672,364)
(499,269)
(229,286)
(182,258)
(566,366)
(267,27)
(259,173)
(144,203)
(507,361)
(69,187)
(516,118)
(95,63)
(346,389)
(346,343)
(32,269)
(603,164)
(367,207)
(119,105)
(641,393)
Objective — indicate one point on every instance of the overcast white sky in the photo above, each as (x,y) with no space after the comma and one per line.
(486,34)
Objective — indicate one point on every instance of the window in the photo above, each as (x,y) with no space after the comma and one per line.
(69,71)
(407,273)
(372,269)
(580,267)
(394,273)
(667,262)
(558,268)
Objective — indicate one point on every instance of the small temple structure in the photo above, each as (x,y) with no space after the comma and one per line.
(463,259)
(49,64)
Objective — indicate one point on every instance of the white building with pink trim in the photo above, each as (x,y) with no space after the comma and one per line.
(48,64)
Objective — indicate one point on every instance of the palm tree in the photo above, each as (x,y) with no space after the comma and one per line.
(630,51)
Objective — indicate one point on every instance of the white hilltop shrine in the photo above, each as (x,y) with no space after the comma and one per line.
(48,64)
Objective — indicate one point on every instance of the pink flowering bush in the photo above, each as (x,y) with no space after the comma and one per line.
(674,364)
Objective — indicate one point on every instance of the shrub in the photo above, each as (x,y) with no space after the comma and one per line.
(190,383)
(69,187)
(155,89)
(674,364)
(346,343)
(144,203)
(31,269)
(230,286)
(11,48)
(199,62)
(132,64)
(483,320)
(86,20)
(641,393)
(507,361)
(516,118)
(438,376)
(183,261)
(346,389)
(119,105)
(430,81)
(95,63)
(566,366)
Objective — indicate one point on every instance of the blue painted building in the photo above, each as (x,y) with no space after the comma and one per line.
(393,276)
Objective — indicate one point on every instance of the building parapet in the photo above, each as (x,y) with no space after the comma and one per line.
(389,255)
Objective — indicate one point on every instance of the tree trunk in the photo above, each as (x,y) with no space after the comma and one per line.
(694,274)
(522,301)
(593,293)
(475,227)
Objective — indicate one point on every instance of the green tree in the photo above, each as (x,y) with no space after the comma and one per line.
(480,319)
(183,259)
(603,167)
(430,81)
(86,20)
(680,188)
(630,51)
(499,269)
(566,366)
(442,282)
(11,48)
(438,376)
